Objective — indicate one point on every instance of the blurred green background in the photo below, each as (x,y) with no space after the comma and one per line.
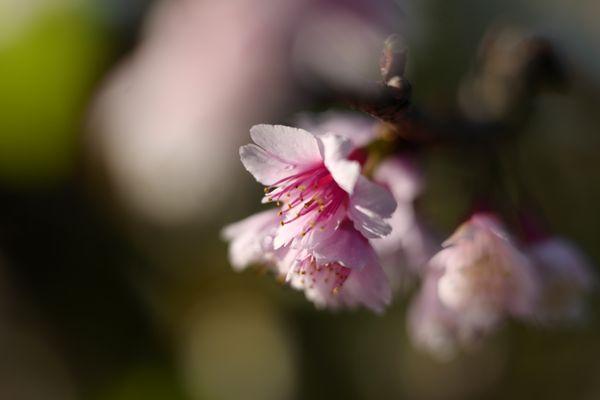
(104,297)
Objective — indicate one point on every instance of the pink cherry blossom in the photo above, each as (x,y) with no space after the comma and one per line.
(470,287)
(318,239)
(339,271)
(315,183)
(410,244)
(484,276)
(162,122)
(566,277)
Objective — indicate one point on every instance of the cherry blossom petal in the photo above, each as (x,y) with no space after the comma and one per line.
(265,168)
(335,150)
(431,325)
(249,238)
(401,177)
(369,287)
(360,130)
(369,206)
(289,145)
(346,247)
(567,278)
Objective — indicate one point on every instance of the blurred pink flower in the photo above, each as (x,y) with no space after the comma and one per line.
(566,276)
(167,121)
(169,118)
(484,276)
(410,244)
(431,325)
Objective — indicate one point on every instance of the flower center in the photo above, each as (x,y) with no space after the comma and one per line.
(307,199)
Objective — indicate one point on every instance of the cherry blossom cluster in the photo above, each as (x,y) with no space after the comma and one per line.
(482,276)
(327,211)
(347,239)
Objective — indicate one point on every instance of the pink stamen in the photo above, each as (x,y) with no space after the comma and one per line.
(311,192)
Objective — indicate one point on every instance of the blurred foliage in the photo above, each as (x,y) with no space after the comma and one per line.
(46,75)
(147,382)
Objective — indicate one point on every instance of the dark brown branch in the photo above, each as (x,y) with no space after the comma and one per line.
(495,98)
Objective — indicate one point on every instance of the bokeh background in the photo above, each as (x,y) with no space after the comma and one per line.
(119,127)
